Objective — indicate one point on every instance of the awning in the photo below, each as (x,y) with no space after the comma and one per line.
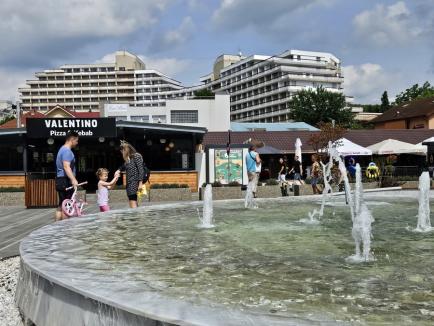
(346,147)
(268,150)
(393,146)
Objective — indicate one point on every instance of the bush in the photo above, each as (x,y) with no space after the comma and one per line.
(271,182)
(234,184)
(11,189)
(168,186)
(217,184)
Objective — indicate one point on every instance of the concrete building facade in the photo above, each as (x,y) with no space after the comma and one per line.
(259,86)
(84,87)
(212,114)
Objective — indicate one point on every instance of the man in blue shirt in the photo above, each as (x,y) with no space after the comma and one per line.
(253,162)
(65,171)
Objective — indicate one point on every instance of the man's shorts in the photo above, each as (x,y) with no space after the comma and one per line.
(297,176)
(61,184)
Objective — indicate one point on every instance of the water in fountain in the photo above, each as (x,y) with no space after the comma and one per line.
(423,218)
(316,215)
(206,219)
(249,200)
(362,220)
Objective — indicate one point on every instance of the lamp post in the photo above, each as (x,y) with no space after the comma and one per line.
(228,152)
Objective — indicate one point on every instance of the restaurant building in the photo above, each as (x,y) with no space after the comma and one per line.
(28,153)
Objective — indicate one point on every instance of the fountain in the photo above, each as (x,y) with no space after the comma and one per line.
(206,220)
(152,265)
(362,220)
(250,200)
(334,156)
(423,217)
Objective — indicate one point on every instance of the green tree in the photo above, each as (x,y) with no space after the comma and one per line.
(203,93)
(414,92)
(6,119)
(385,105)
(320,106)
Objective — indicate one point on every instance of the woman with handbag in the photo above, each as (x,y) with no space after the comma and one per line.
(133,166)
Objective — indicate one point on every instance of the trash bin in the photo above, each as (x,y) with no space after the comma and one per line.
(296,190)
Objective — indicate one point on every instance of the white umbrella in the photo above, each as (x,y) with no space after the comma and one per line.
(346,147)
(298,145)
(393,146)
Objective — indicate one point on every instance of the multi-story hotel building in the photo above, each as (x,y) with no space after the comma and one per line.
(260,87)
(85,87)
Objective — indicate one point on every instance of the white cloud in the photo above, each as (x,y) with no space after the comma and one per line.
(174,37)
(171,67)
(387,25)
(10,81)
(368,81)
(44,26)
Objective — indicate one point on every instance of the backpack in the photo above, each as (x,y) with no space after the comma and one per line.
(146,173)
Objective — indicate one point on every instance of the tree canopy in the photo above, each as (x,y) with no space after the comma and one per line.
(415,92)
(320,106)
(203,93)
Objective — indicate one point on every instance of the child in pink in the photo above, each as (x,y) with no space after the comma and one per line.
(103,188)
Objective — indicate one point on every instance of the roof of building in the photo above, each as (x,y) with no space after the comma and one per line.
(280,126)
(416,108)
(285,140)
(37,114)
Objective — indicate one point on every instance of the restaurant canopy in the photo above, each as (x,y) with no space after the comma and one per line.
(393,146)
(346,147)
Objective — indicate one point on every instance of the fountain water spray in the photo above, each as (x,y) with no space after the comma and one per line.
(249,200)
(206,219)
(423,218)
(362,220)
(316,215)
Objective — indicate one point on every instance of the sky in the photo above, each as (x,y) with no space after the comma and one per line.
(383,45)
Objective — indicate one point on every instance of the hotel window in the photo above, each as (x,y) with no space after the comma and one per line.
(159,119)
(184,116)
(140,118)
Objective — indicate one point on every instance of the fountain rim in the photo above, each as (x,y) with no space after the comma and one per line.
(190,307)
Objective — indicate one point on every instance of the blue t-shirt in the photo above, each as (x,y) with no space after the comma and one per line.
(64,154)
(251,161)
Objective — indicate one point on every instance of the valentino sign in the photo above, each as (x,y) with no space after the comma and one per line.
(54,127)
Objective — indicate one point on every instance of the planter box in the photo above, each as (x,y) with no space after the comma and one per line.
(270,192)
(12,199)
(118,196)
(171,194)
(222,193)
(409,184)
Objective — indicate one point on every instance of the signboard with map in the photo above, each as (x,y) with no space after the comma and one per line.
(228,169)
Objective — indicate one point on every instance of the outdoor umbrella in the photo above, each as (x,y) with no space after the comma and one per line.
(346,147)
(393,146)
(268,150)
(298,145)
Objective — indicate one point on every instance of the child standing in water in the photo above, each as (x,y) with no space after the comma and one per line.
(103,188)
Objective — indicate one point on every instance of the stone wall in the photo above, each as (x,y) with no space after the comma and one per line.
(11,198)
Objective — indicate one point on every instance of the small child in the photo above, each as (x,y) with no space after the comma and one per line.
(103,188)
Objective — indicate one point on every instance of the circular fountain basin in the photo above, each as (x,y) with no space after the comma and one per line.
(153,266)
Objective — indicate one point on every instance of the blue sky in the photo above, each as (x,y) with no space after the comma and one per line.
(383,45)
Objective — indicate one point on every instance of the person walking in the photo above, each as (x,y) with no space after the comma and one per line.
(282,177)
(65,172)
(253,162)
(133,166)
(315,173)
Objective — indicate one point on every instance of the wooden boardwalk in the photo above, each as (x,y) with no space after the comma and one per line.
(17,222)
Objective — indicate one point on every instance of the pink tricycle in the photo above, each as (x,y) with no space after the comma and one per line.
(74,206)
